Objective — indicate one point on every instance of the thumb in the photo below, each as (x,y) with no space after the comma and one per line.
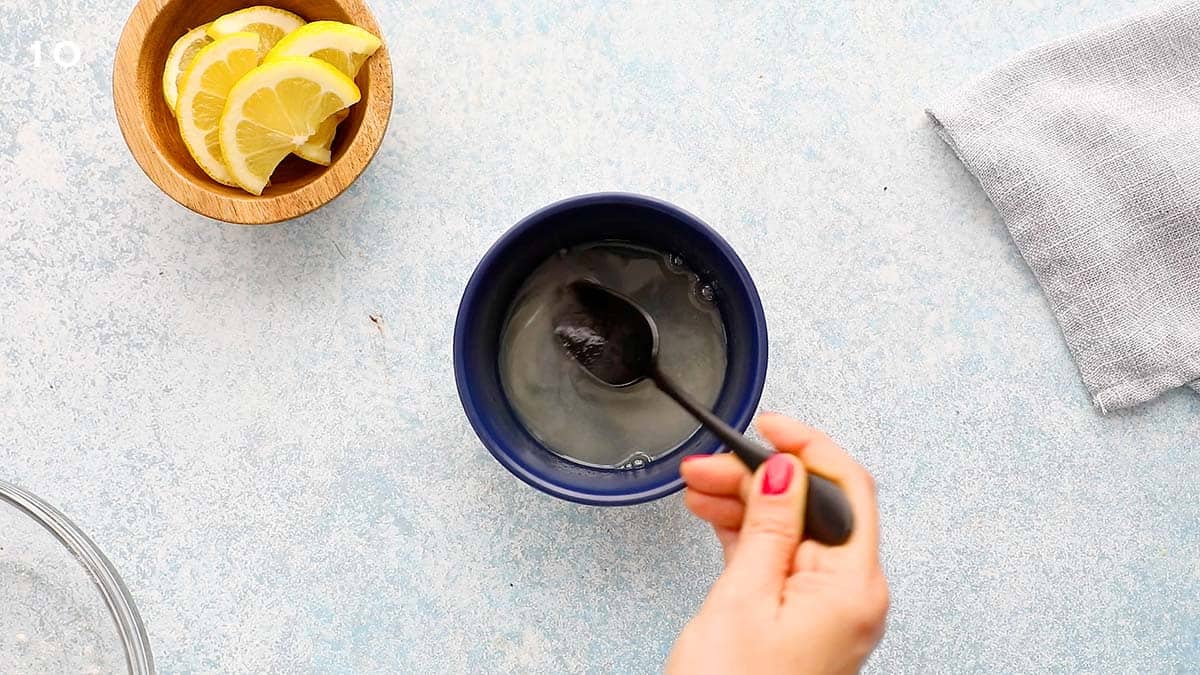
(772,526)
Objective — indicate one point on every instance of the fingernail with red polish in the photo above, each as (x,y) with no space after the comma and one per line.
(691,457)
(778,475)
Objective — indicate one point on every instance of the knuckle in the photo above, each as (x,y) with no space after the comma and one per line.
(869,615)
(865,615)
(857,474)
(881,601)
(868,480)
(771,528)
(866,625)
(731,520)
(746,487)
(820,436)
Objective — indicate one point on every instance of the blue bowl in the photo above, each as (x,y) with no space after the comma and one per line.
(579,220)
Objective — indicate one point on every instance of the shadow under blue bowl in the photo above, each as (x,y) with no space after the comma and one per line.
(586,219)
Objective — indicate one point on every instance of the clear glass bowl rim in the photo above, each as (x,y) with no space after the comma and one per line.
(116,596)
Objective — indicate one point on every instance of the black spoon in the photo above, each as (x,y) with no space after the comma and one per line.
(616,341)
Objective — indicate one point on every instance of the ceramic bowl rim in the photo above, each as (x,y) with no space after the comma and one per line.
(474,410)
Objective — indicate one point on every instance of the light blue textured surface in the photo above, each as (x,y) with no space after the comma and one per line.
(286,486)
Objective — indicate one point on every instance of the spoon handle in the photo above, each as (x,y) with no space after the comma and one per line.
(827,515)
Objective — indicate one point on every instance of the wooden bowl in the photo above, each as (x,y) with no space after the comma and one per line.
(152,133)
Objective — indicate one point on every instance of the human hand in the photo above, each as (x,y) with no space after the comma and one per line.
(783,605)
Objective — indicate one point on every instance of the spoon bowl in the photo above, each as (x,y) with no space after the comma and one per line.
(610,335)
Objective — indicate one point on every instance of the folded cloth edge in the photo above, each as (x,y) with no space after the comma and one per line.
(1106,399)
(1185,371)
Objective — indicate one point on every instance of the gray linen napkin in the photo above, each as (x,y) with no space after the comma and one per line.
(1090,149)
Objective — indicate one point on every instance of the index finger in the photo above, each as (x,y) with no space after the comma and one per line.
(718,475)
(822,456)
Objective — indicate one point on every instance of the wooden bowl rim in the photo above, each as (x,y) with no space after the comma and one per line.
(248,209)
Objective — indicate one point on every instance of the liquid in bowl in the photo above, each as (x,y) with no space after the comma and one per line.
(574,415)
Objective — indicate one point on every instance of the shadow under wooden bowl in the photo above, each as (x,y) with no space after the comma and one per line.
(152,134)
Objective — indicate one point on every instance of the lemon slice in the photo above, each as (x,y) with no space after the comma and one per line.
(274,110)
(319,148)
(181,56)
(270,23)
(341,45)
(206,85)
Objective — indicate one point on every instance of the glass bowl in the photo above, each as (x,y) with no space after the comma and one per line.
(65,609)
